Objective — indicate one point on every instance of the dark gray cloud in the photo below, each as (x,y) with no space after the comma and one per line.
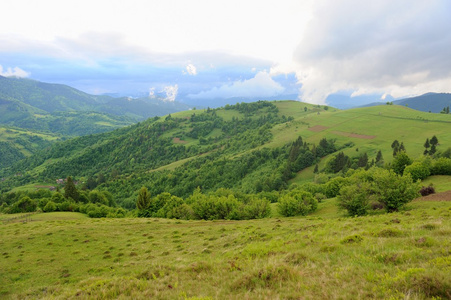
(396,47)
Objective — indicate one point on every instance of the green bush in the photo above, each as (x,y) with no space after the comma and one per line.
(297,202)
(257,209)
(355,198)
(441,166)
(25,204)
(49,207)
(418,171)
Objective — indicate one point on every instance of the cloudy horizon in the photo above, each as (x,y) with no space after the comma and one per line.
(192,51)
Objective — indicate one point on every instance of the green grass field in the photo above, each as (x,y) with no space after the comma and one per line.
(404,255)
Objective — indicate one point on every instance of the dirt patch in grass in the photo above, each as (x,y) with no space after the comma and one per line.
(317,128)
(444,196)
(354,135)
(177,140)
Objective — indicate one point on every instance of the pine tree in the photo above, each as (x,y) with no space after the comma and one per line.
(433,150)
(434,141)
(70,191)
(379,158)
(363,160)
(143,201)
(401,147)
(426,144)
(395,147)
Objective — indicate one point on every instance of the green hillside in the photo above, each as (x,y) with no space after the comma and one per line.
(16,144)
(52,98)
(324,256)
(245,147)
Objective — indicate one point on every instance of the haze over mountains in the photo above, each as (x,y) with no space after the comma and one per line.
(39,97)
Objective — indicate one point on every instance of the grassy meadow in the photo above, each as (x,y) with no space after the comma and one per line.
(403,255)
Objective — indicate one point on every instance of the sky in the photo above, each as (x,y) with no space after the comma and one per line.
(203,51)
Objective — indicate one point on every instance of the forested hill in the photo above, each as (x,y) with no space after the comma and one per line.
(248,148)
(48,97)
(44,112)
(213,143)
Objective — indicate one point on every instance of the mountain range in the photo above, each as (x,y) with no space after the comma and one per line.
(25,100)
(35,114)
(429,102)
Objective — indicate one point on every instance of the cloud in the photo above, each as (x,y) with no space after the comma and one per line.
(171,92)
(191,69)
(152,93)
(399,48)
(262,85)
(14,72)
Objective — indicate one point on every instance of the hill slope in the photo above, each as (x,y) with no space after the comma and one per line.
(430,102)
(247,147)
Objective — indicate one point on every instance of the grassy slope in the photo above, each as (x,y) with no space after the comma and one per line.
(324,256)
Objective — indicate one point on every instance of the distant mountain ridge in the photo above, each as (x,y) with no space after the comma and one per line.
(50,98)
(429,102)
(35,114)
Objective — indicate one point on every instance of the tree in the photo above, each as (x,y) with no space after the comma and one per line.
(395,147)
(355,198)
(70,191)
(143,201)
(91,183)
(394,190)
(401,161)
(434,141)
(363,161)
(379,158)
(316,169)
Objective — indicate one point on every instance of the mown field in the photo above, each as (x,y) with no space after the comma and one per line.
(403,255)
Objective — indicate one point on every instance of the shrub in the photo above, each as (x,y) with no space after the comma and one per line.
(25,204)
(257,209)
(418,171)
(355,198)
(332,188)
(49,207)
(427,190)
(297,202)
(441,166)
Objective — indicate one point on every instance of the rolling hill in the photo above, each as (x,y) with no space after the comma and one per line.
(430,102)
(59,112)
(52,98)
(244,147)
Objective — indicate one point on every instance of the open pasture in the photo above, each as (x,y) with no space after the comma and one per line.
(328,256)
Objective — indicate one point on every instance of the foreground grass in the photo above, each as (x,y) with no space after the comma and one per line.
(399,255)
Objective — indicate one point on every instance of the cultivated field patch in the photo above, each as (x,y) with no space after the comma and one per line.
(177,140)
(318,128)
(354,135)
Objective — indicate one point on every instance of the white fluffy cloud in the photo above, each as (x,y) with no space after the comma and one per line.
(13,72)
(171,92)
(191,69)
(262,85)
(400,48)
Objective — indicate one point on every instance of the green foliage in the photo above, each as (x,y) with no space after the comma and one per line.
(143,201)
(418,170)
(297,202)
(333,186)
(25,204)
(401,161)
(355,198)
(49,207)
(340,162)
(70,191)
